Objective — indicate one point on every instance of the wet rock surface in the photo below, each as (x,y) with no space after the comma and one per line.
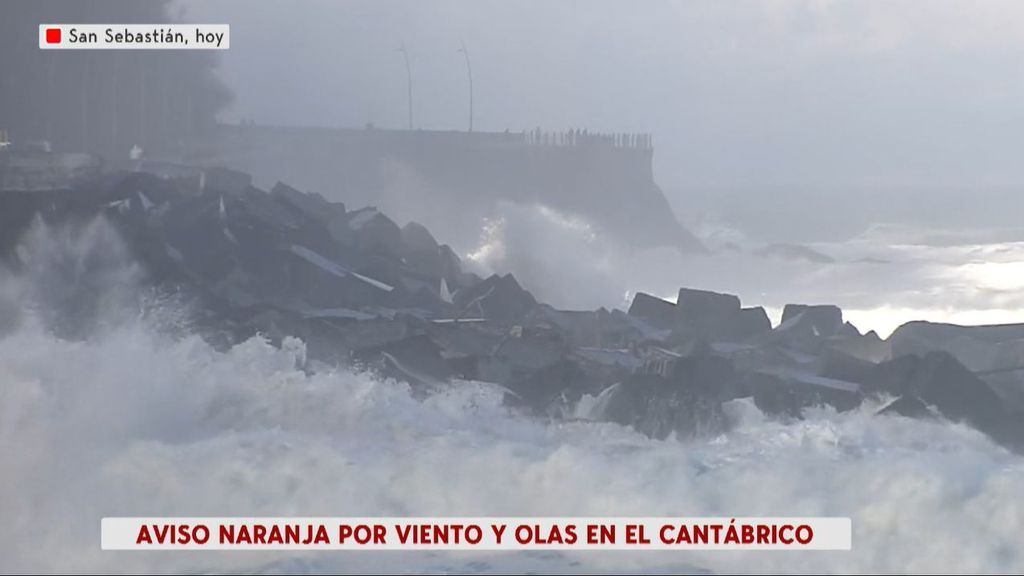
(364,291)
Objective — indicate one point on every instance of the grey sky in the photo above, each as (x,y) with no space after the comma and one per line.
(792,119)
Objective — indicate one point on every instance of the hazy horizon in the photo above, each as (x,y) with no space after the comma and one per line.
(793,120)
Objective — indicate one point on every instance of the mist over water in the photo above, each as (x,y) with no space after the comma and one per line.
(887,275)
(143,417)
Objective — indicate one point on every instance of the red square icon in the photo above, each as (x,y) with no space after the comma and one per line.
(53,35)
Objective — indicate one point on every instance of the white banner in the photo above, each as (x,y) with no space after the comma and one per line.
(476,534)
(134,36)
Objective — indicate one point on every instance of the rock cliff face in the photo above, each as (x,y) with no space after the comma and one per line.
(429,176)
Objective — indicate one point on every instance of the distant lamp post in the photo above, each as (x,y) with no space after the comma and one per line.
(408,74)
(469,74)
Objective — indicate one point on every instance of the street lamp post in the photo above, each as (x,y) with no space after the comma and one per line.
(408,74)
(469,74)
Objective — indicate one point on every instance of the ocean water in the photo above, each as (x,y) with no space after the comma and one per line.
(134,414)
(887,275)
(135,422)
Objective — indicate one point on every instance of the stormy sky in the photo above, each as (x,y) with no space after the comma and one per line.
(790,119)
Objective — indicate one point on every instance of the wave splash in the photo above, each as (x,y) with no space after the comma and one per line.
(136,415)
(135,422)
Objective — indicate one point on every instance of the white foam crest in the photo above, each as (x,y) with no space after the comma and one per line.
(136,423)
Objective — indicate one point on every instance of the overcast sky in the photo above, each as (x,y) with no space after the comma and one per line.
(762,112)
